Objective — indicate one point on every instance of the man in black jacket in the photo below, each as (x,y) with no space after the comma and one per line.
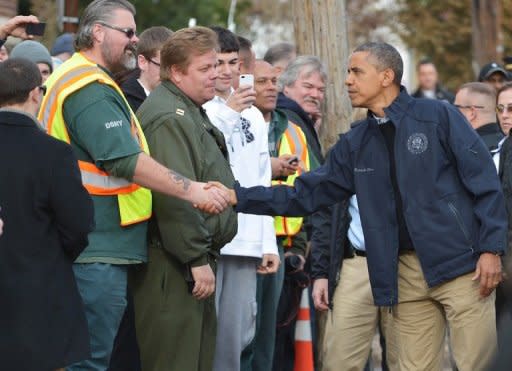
(146,77)
(477,101)
(48,215)
(429,86)
(301,94)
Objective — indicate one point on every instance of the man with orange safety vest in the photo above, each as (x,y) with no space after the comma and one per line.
(86,108)
(290,157)
(301,89)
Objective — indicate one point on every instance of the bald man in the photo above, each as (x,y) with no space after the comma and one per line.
(477,101)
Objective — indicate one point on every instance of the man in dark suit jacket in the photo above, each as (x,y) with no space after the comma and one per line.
(47,215)
(429,86)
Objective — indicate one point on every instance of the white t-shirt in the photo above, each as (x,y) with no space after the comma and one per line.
(247,142)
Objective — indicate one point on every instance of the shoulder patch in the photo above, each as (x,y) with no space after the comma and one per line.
(180,112)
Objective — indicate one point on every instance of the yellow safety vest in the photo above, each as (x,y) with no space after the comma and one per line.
(293,141)
(134,201)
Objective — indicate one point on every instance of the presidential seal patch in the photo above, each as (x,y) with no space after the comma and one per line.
(417,143)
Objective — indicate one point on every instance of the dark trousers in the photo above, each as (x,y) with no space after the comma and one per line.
(125,354)
(287,311)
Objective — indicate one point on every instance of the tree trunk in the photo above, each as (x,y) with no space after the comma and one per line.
(46,11)
(8,9)
(487,40)
(321,30)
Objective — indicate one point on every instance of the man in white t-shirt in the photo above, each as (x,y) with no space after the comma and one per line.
(254,248)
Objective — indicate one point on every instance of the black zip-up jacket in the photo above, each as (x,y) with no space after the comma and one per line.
(491,134)
(505,174)
(134,92)
(327,255)
(441,94)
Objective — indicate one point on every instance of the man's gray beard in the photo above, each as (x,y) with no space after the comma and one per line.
(127,62)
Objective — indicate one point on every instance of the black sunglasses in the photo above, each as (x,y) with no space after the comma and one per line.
(129,32)
(500,108)
(43,89)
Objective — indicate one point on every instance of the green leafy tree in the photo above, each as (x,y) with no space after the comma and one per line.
(441,30)
(176,14)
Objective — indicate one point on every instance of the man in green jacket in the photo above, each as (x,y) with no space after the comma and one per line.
(174,305)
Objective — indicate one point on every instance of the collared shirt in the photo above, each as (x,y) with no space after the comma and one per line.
(380,120)
(143,87)
(355,230)
(495,153)
(430,94)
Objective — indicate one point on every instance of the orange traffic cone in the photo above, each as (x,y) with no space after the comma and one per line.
(303,343)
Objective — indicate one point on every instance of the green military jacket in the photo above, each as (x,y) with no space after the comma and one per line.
(181,137)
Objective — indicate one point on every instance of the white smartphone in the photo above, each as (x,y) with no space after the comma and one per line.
(246,79)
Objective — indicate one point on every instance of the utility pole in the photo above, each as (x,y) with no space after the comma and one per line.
(321,30)
(68,15)
(231,16)
(487,37)
(8,9)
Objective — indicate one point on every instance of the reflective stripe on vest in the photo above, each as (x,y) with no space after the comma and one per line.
(98,182)
(293,141)
(134,201)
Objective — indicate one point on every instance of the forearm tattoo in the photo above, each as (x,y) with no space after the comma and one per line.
(180,179)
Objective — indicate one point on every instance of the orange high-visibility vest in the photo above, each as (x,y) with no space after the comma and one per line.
(134,201)
(293,141)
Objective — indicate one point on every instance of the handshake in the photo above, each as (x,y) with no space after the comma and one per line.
(212,197)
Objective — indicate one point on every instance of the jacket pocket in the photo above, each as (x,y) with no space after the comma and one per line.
(458,218)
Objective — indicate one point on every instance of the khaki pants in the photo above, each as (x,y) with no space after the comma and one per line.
(418,322)
(352,323)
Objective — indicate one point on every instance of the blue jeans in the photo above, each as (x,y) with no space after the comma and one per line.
(103,290)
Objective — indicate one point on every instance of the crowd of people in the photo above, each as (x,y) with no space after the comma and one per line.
(166,201)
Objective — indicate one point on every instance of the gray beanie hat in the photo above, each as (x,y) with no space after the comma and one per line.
(33,51)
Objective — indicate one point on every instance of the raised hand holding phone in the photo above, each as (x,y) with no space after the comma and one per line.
(16,27)
(243,97)
(246,79)
(35,29)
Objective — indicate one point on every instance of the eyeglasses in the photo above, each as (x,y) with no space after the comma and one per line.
(500,108)
(129,32)
(467,107)
(150,60)
(42,88)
